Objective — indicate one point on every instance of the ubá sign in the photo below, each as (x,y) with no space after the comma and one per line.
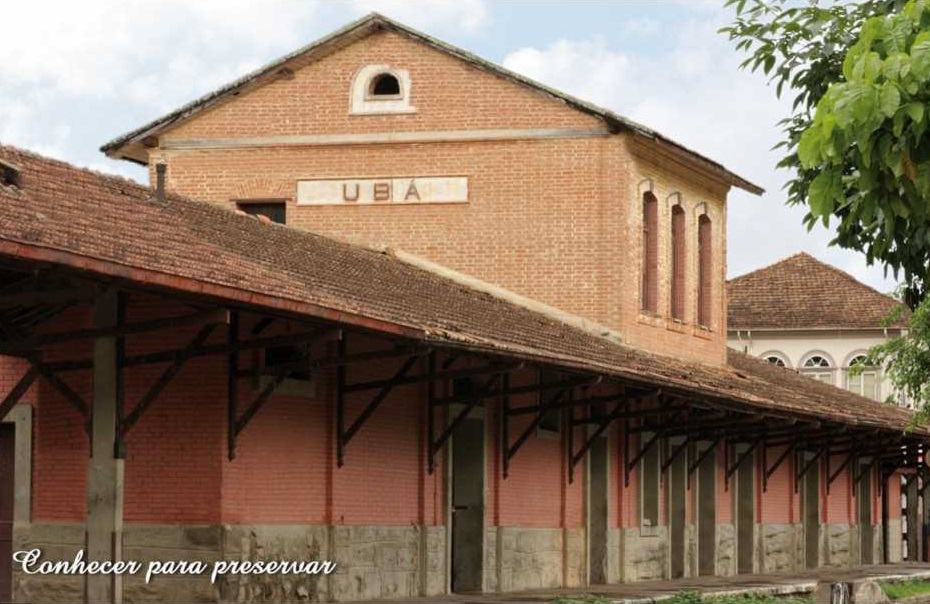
(427,189)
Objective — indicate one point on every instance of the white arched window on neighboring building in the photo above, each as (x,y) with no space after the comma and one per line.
(863,378)
(775,358)
(819,367)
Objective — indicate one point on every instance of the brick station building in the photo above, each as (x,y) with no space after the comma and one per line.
(513,375)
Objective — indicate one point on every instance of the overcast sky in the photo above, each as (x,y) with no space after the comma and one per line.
(74,74)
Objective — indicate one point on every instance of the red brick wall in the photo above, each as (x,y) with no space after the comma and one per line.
(172,465)
(893,493)
(839,501)
(779,504)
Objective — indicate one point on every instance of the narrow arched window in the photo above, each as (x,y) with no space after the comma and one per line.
(384,85)
(705,272)
(650,268)
(678,263)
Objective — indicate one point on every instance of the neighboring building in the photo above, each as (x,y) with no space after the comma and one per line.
(529,387)
(806,315)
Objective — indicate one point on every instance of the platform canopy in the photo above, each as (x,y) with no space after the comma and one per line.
(68,234)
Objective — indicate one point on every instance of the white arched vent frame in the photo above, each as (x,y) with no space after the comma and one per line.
(363,102)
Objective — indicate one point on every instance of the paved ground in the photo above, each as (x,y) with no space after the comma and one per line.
(633,592)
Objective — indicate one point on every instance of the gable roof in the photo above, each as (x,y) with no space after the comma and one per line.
(193,248)
(376,22)
(801,292)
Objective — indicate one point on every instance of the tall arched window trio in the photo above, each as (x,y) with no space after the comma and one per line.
(678,266)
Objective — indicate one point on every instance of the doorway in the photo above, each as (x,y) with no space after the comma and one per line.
(864,505)
(811,506)
(467,499)
(707,514)
(676,510)
(745,513)
(7,456)
(598,498)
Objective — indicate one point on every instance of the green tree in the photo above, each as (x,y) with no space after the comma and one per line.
(857,140)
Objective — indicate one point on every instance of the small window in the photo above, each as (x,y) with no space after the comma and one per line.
(551,422)
(384,85)
(381,90)
(275,211)
(278,357)
(775,360)
(650,267)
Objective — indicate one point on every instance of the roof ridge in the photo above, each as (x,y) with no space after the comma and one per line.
(781,260)
(807,255)
(117,178)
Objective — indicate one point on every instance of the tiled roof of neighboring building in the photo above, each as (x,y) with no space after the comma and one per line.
(801,292)
(376,22)
(115,228)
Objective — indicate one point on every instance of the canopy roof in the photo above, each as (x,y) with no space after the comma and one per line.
(110,227)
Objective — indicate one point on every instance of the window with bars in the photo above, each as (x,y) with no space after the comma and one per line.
(705,272)
(650,268)
(678,263)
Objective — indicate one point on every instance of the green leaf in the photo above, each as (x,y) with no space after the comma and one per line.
(867,68)
(920,56)
(915,111)
(809,147)
(895,38)
(821,194)
(891,66)
(890,99)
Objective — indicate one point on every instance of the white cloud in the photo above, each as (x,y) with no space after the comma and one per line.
(467,14)
(586,69)
(95,48)
(692,90)
(641,26)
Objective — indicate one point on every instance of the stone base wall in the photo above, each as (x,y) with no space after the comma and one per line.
(644,554)
(726,550)
(372,562)
(614,556)
(894,540)
(779,547)
(878,544)
(518,558)
(838,544)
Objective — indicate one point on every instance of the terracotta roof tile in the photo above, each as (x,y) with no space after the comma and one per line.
(801,292)
(116,228)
